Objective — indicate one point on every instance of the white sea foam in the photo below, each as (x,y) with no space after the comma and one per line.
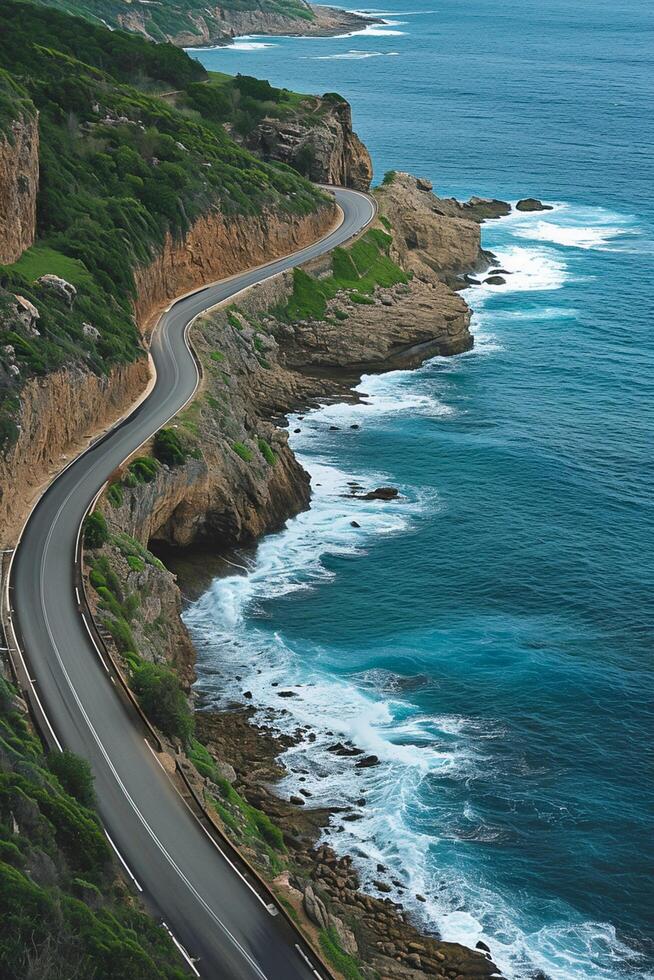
(378,31)
(354,55)
(572,236)
(245,44)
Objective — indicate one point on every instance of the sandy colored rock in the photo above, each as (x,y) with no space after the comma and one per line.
(19,182)
(431,237)
(321,144)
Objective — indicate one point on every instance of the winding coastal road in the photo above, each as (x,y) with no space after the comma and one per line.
(224,924)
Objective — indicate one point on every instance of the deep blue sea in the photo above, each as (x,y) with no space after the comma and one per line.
(489,635)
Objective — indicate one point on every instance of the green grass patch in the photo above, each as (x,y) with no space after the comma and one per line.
(343,962)
(242,450)
(217,356)
(115,494)
(266,451)
(41,259)
(358,270)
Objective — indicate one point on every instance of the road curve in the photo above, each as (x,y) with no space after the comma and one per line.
(215,915)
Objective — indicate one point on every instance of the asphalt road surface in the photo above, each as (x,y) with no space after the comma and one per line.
(223,924)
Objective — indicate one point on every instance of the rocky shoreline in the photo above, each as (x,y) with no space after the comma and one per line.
(300,339)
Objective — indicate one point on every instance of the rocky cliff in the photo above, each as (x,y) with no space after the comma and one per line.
(59,412)
(19,181)
(217,246)
(319,142)
(259,361)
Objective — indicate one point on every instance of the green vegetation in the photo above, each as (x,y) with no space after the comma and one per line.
(143,469)
(266,451)
(245,820)
(96,532)
(217,356)
(344,963)
(131,548)
(168,448)
(40,259)
(163,700)
(389,176)
(358,270)
(243,101)
(120,169)
(115,494)
(14,104)
(74,774)
(63,913)
(242,450)
(178,18)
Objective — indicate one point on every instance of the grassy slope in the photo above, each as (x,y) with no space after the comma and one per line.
(63,913)
(120,168)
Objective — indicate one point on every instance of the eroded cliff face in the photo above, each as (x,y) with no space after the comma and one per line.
(19,181)
(218,246)
(321,144)
(60,412)
(58,415)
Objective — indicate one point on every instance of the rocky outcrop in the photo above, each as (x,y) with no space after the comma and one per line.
(323,888)
(319,142)
(532,204)
(19,181)
(432,239)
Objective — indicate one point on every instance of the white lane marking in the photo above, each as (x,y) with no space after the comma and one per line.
(97,648)
(30,679)
(244,953)
(122,860)
(79,601)
(184,953)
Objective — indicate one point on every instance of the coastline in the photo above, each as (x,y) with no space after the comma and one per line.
(329,21)
(254,748)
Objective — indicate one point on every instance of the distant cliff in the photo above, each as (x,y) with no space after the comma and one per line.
(193,23)
(19,170)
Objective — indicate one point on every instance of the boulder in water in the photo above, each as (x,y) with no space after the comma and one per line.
(532,204)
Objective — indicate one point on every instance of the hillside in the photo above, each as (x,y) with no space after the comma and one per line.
(124,178)
(191,22)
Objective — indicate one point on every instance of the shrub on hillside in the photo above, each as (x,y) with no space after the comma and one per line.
(96,532)
(163,700)
(74,774)
(168,447)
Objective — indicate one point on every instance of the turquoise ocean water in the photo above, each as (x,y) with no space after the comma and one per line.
(489,636)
